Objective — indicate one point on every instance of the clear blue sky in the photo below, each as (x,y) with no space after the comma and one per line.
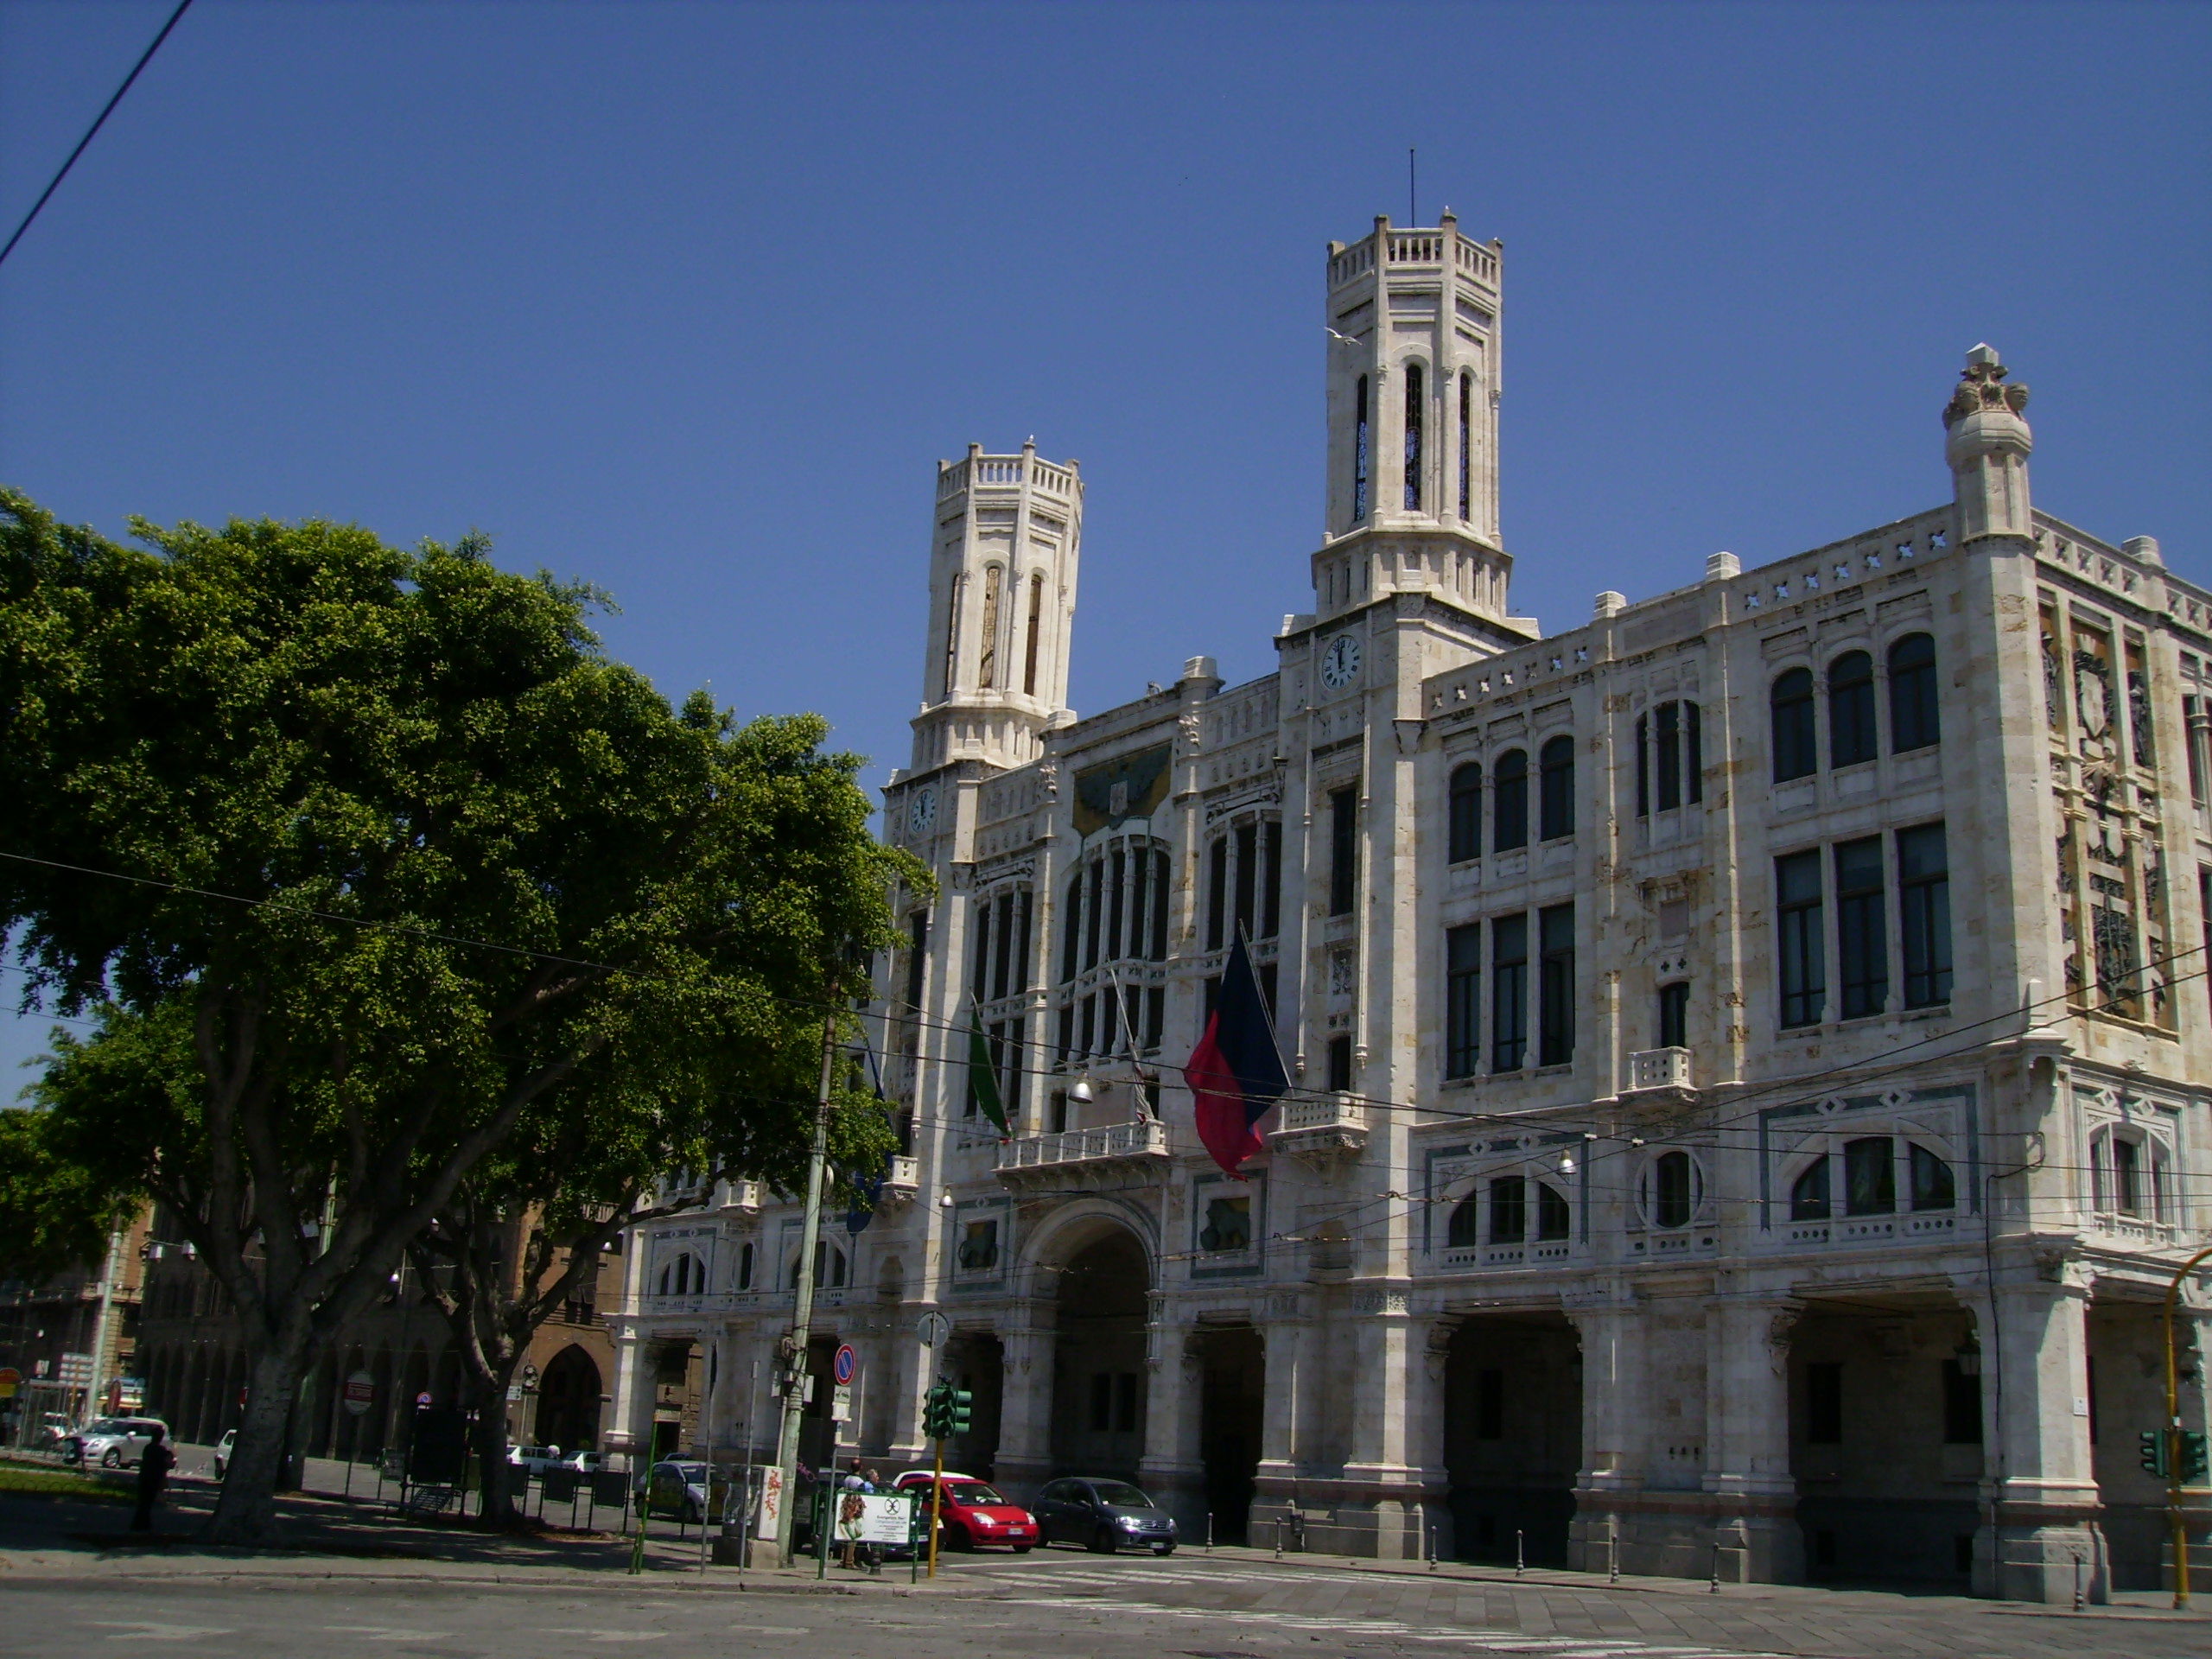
(688,299)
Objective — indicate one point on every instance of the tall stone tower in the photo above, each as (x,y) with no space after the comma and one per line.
(1413,393)
(1002,575)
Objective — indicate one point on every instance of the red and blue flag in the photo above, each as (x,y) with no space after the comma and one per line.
(1235,1073)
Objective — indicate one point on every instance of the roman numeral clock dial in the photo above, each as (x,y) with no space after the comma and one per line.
(1340,662)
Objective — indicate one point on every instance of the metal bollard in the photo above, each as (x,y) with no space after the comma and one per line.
(1208,1532)
(1520,1552)
(1714,1588)
(1612,1558)
(2081,1599)
(1278,1537)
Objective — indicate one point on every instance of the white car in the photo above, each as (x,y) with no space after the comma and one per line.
(536,1458)
(584,1463)
(222,1461)
(116,1442)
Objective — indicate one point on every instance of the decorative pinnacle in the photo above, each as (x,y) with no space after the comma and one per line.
(1982,386)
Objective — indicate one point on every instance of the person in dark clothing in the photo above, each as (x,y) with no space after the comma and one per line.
(154,1466)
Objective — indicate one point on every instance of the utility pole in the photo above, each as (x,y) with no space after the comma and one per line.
(794,1379)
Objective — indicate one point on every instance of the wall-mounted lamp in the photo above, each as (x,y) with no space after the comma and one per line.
(1083,1090)
(1967,1356)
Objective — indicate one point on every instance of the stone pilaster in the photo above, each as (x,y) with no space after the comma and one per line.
(1605,1532)
(1171,1470)
(1025,1454)
(2040,1534)
(1755,1527)
(1382,1493)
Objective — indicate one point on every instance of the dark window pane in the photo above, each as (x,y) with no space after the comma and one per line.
(1809,1194)
(1509,1013)
(1924,893)
(1270,880)
(1870,1177)
(1510,802)
(1466,813)
(1344,850)
(1340,1065)
(1933,1187)
(1914,724)
(1359,449)
(1465,1228)
(1509,1210)
(1555,802)
(1803,966)
(1071,941)
(1851,709)
(1674,1190)
(1094,907)
(1692,754)
(1642,766)
(1795,754)
(1961,1405)
(1248,877)
(1462,984)
(1416,410)
(1669,760)
(1861,929)
(1553,1216)
(1555,1009)
(1675,1015)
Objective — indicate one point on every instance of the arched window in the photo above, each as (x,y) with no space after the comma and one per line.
(1509,1210)
(1555,791)
(1466,838)
(2128,1173)
(686,1275)
(986,667)
(1465,1228)
(829,1267)
(1851,709)
(1510,802)
(951,676)
(1416,406)
(1933,1185)
(1036,622)
(1359,450)
(745,1266)
(1809,1194)
(1914,724)
(1466,443)
(1672,1190)
(1870,1177)
(1553,1216)
(1794,752)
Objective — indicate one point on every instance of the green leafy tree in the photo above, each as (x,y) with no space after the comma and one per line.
(375,866)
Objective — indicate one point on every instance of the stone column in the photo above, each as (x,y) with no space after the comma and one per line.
(1276,1480)
(1383,1493)
(913,1368)
(1606,1533)
(1747,1439)
(2041,1527)
(1025,1456)
(632,1433)
(1171,1470)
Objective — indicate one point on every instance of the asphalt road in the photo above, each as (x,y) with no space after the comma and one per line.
(1055,1603)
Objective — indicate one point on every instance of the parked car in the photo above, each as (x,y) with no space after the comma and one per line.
(222,1459)
(971,1512)
(113,1442)
(584,1463)
(1103,1515)
(677,1486)
(536,1458)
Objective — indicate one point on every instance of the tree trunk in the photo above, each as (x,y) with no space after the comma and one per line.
(489,1434)
(246,1513)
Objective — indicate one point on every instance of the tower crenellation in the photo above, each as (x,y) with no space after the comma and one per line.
(1412,386)
(1007,539)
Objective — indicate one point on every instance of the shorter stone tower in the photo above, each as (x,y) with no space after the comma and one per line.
(1002,575)
(1987,443)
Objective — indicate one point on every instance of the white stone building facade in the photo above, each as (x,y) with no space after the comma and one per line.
(1751,1054)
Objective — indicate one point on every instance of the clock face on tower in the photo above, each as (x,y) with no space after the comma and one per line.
(1340,662)
(921,809)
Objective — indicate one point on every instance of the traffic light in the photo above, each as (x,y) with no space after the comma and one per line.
(936,1411)
(2192,1456)
(961,1412)
(2151,1453)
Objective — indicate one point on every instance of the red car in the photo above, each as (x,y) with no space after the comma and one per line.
(972,1514)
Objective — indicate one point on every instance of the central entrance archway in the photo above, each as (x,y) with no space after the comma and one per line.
(1098,1361)
(1513,1436)
(1232,1400)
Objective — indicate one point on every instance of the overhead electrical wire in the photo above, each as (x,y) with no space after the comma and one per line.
(98,121)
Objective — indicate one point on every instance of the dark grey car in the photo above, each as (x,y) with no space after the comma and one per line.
(1100,1514)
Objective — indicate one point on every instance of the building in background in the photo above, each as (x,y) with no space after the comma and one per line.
(1749,1051)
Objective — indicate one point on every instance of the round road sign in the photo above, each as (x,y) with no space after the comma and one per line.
(844,1364)
(360,1392)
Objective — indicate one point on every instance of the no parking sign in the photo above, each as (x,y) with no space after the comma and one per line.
(844,1365)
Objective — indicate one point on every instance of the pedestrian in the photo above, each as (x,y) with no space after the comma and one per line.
(851,1511)
(871,1553)
(153,1466)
